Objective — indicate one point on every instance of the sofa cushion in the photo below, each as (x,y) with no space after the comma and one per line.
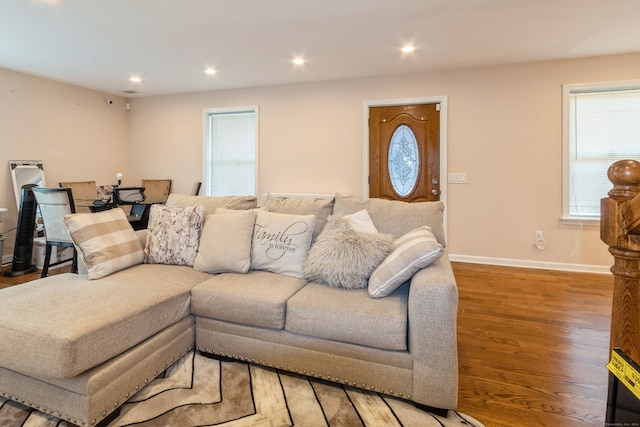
(257,298)
(415,250)
(343,257)
(225,243)
(63,325)
(173,234)
(211,203)
(106,241)
(281,242)
(396,217)
(350,316)
(321,208)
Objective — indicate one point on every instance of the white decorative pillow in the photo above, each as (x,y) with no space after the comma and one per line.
(225,243)
(106,241)
(281,242)
(343,257)
(173,234)
(361,222)
(410,253)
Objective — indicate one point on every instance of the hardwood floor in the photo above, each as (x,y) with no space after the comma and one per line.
(533,345)
(5,281)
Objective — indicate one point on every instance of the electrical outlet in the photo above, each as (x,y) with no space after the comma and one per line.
(540,243)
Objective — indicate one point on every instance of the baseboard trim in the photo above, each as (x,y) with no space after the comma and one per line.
(541,265)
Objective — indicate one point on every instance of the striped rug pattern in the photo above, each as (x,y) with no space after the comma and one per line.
(199,391)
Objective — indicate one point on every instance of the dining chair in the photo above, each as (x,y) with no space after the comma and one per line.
(156,190)
(195,190)
(54,204)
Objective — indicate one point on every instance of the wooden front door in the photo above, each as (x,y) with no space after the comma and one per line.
(404,152)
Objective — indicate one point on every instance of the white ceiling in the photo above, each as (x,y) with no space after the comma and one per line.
(100,44)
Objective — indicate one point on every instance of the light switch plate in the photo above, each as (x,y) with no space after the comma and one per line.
(457,178)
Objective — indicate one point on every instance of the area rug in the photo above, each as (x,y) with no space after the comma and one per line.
(199,391)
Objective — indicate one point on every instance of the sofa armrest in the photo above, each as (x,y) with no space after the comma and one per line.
(433,311)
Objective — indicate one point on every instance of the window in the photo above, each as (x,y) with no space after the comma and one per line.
(230,152)
(601,125)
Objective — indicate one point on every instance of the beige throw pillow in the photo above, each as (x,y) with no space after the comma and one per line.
(225,243)
(106,241)
(410,253)
(173,234)
(281,242)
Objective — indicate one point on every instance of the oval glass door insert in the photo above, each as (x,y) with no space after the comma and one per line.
(403,160)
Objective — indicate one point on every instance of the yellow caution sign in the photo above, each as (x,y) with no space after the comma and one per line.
(622,368)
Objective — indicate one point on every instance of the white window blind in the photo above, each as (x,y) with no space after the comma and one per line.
(602,125)
(230,152)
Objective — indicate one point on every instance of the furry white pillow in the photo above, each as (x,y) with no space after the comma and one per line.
(415,250)
(343,257)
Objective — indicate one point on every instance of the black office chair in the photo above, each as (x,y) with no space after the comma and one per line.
(128,195)
(134,196)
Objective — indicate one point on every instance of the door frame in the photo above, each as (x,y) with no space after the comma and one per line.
(442,100)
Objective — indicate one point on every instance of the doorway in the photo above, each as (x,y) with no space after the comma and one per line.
(407,122)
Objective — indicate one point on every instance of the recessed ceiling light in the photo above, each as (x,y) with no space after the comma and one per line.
(135,79)
(210,71)
(298,61)
(408,49)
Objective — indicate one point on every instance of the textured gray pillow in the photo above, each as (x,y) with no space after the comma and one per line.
(344,258)
(173,234)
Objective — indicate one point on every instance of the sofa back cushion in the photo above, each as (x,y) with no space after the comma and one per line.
(211,203)
(321,208)
(395,217)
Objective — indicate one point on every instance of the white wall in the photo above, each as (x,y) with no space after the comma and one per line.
(504,132)
(72,130)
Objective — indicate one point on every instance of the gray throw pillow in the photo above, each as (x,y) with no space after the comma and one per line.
(343,257)
(173,234)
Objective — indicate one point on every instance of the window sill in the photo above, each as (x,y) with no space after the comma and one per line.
(574,220)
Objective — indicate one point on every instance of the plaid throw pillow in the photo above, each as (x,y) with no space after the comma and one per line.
(106,241)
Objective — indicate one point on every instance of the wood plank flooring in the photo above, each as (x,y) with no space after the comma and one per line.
(533,345)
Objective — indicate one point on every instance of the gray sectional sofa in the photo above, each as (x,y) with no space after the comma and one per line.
(79,348)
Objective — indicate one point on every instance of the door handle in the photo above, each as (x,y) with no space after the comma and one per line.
(435,192)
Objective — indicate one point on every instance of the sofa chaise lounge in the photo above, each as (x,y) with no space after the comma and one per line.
(78,348)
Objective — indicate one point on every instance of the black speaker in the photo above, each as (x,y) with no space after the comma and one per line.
(23,250)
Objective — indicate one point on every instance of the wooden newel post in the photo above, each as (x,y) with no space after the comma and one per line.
(620,229)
